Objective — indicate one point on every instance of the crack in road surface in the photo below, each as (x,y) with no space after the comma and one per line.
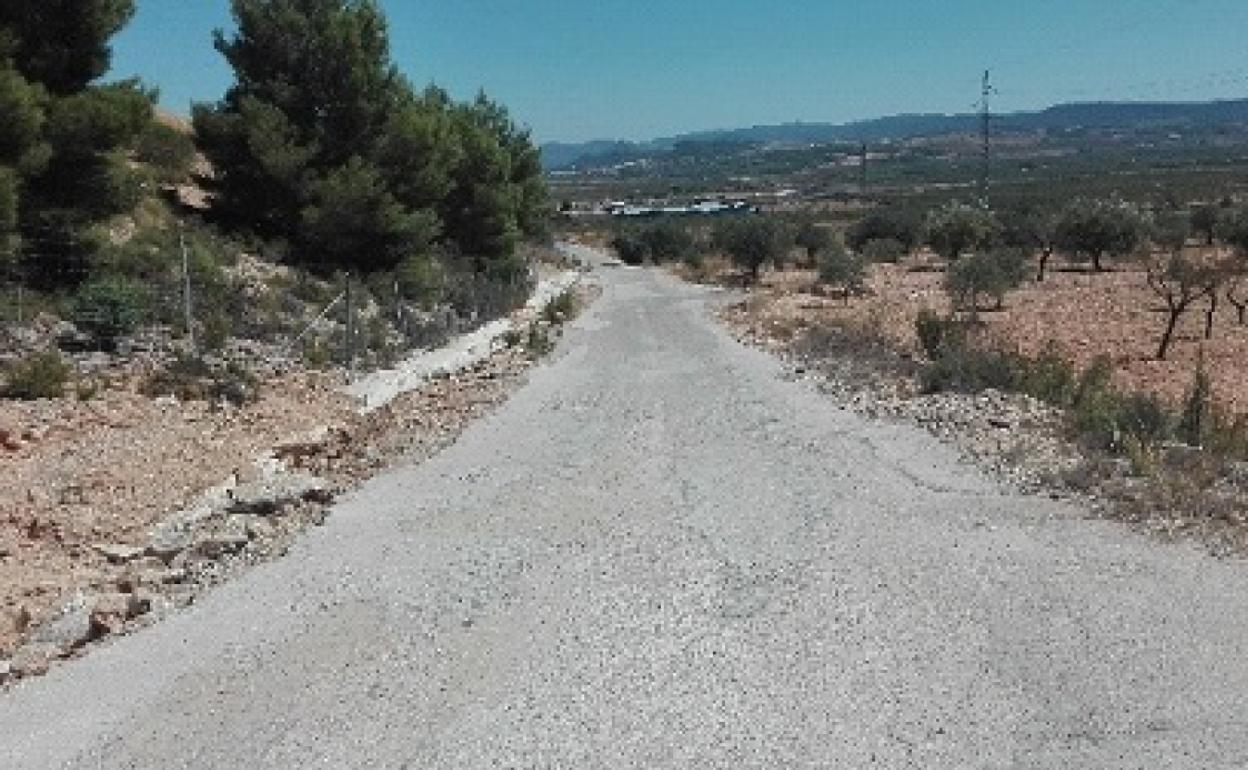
(660,553)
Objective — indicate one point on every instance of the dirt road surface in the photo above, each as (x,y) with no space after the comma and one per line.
(664,554)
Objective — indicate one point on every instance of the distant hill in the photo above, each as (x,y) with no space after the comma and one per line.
(1127,116)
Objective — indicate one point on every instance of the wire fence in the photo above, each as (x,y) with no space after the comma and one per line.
(252,312)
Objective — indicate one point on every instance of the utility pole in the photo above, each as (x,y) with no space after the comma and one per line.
(985,106)
(186,291)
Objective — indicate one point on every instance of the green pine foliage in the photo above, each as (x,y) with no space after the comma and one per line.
(64,140)
(322,143)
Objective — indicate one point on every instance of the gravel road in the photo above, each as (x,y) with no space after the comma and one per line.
(661,553)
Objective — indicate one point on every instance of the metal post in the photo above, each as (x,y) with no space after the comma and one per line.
(186,291)
(350,351)
(986,131)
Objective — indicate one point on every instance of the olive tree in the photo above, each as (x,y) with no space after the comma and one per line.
(1031,230)
(957,228)
(753,242)
(987,274)
(1091,231)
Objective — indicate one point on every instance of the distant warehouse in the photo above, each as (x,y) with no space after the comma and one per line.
(701,208)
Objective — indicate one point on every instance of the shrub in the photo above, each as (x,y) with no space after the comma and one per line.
(1142,417)
(1051,378)
(813,239)
(109,308)
(1196,418)
(1095,406)
(667,241)
(38,375)
(169,151)
(938,333)
(422,280)
(879,250)
(840,267)
(191,378)
(560,309)
(631,247)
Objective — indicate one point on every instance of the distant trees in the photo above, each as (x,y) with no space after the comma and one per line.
(322,143)
(1091,231)
(891,224)
(662,240)
(957,228)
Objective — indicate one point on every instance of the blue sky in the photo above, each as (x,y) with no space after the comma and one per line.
(585,69)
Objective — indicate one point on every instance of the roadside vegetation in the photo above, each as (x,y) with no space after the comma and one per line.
(322,212)
(980,281)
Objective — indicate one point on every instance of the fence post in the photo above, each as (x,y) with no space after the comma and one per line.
(186,291)
(350,351)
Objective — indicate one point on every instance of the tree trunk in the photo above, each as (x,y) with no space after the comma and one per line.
(1169,333)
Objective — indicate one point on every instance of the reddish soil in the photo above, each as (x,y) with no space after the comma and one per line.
(78,473)
(1082,314)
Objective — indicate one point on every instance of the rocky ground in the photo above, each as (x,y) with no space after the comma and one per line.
(120,509)
(1081,314)
(1184,493)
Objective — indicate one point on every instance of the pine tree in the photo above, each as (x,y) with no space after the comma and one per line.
(61,44)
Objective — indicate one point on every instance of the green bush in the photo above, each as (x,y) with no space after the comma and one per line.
(38,375)
(1094,410)
(191,378)
(842,268)
(109,308)
(1050,377)
(937,333)
(561,309)
(1142,417)
(169,152)
(1196,420)
(878,250)
(422,280)
(631,247)
(668,241)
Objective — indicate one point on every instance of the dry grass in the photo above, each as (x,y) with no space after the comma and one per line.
(1083,314)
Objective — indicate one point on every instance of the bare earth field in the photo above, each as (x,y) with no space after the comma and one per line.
(1083,314)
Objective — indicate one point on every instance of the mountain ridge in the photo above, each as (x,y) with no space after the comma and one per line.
(1066,116)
